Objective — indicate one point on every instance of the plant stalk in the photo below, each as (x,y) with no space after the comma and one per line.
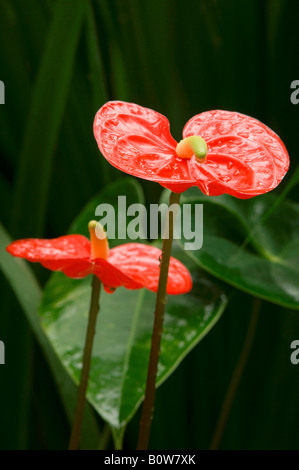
(161,300)
(90,333)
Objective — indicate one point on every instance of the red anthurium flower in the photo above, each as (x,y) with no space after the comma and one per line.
(132,265)
(221,151)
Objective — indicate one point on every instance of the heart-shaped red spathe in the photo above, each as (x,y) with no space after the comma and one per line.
(132,265)
(245,158)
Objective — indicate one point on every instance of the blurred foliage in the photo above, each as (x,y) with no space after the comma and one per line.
(60,61)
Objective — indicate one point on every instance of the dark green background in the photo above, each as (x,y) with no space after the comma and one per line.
(60,61)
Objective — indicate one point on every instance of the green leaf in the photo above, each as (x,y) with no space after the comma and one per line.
(248,245)
(124,329)
(122,342)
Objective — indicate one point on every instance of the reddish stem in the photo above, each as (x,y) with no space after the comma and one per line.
(92,319)
(161,300)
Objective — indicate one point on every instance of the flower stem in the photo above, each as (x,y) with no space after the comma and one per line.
(161,300)
(92,318)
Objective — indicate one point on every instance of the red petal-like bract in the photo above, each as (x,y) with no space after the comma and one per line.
(71,252)
(134,139)
(141,263)
(245,158)
(131,265)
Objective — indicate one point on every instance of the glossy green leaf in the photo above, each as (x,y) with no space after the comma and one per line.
(248,245)
(124,328)
(123,336)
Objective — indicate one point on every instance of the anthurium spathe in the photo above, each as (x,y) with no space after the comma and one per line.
(132,265)
(221,151)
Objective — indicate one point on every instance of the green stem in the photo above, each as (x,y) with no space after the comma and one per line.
(92,319)
(161,300)
(237,376)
